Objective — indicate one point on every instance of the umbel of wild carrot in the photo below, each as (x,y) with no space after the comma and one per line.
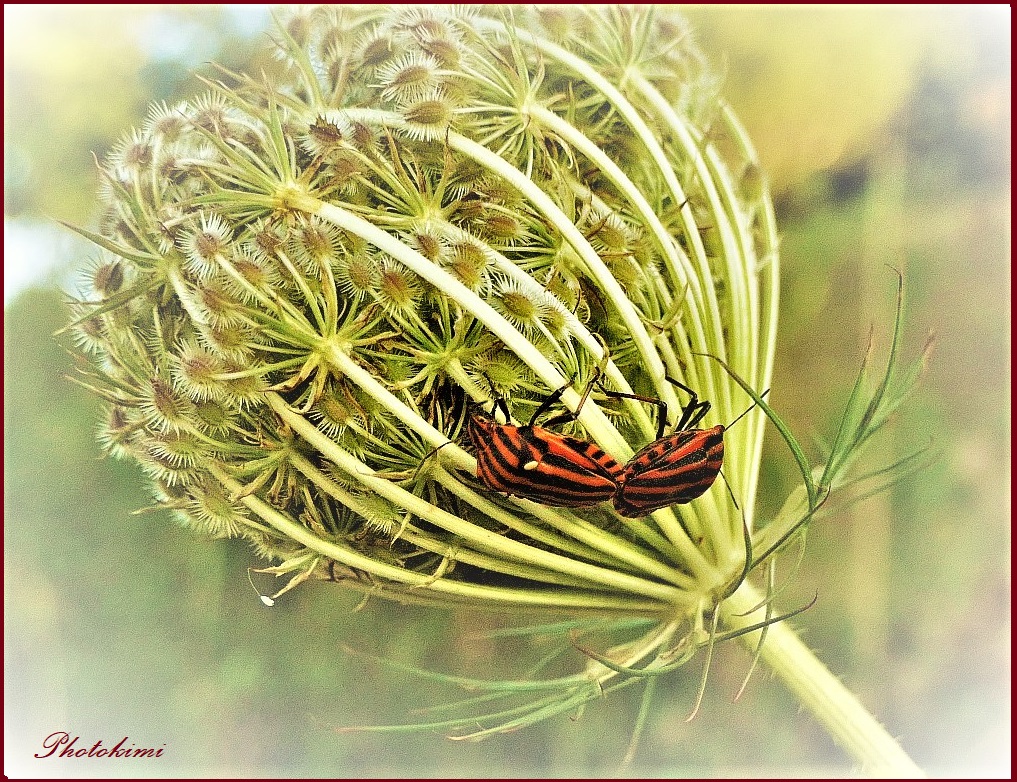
(307,284)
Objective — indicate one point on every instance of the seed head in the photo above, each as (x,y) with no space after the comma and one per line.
(204,244)
(277,328)
(427,117)
(164,408)
(398,288)
(409,77)
(211,510)
(357,274)
(197,373)
(167,124)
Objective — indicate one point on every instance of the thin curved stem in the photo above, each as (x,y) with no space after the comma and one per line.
(824,695)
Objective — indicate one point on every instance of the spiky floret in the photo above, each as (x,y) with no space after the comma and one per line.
(375,47)
(90,333)
(164,467)
(337,409)
(214,417)
(398,289)
(220,303)
(520,304)
(330,131)
(197,373)
(210,508)
(379,514)
(315,245)
(133,154)
(470,262)
(163,407)
(427,115)
(233,342)
(204,244)
(116,431)
(167,124)
(213,114)
(105,275)
(357,274)
(179,449)
(409,77)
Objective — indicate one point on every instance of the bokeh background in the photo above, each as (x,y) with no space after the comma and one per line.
(885,133)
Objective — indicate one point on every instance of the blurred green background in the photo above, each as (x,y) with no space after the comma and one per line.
(886,136)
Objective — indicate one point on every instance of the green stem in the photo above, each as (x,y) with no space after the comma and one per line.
(769,294)
(482,539)
(544,599)
(643,132)
(676,262)
(575,327)
(426,542)
(823,694)
(591,416)
(578,529)
(652,362)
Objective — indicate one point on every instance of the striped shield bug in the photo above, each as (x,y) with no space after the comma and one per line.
(537,464)
(675,469)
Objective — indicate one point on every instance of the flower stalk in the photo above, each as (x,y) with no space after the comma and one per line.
(821,693)
(308,284)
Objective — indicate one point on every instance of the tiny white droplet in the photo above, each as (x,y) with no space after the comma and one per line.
(267,600)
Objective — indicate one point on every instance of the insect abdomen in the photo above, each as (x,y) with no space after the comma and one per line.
(543,466)
(670,471)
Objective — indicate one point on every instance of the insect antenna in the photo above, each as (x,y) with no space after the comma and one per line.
(747,410)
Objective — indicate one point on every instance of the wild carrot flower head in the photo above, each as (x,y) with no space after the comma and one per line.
(308,287)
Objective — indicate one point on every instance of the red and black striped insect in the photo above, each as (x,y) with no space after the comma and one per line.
(676,469)
(537,464)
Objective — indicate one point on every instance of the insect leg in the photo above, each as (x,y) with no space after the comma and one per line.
(549,400)
(694,411)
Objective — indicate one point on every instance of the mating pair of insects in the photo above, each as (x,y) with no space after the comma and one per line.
(554,469)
